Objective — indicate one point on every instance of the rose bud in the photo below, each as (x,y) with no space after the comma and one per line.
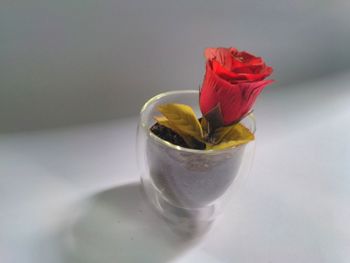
(231,84)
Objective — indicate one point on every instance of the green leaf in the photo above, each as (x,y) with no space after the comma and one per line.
(182,118)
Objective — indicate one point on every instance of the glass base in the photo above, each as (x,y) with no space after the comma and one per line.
(188,221)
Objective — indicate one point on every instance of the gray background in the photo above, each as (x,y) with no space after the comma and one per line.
(72,62)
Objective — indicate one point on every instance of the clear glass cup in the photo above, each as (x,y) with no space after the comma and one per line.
(188,186)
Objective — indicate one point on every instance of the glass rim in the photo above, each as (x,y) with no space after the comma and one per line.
(177,147)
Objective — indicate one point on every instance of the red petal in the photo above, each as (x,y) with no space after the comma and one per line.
(226,74)
(238,77)
(246,55)
(208,97)
(216,90)
(230,100)
(222,55)
(250,92)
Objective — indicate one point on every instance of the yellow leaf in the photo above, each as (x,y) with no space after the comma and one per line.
(221,133)
(183,118)
(165,122)
(231,136)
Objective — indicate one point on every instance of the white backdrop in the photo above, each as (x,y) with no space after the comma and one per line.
(67,62)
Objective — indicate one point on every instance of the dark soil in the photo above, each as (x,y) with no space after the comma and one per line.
(174,138)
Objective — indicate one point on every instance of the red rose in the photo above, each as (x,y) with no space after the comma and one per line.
(232,82)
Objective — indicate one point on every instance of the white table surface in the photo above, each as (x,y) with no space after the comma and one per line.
(72,194)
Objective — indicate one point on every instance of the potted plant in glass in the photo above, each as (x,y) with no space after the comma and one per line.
(191,144)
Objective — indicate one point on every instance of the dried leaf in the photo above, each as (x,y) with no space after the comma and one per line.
(205,125)
(182,118)
(215,118)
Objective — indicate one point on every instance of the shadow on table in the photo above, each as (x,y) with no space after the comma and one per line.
(118,225)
